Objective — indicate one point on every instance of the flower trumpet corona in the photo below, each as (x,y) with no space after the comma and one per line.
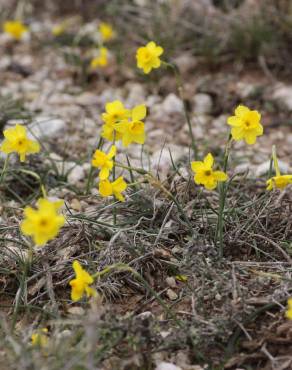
(104,161)
(245,125)
(44,223)
(279,181)
(80,285)
(107,188)
(148,57)
(133,131)
(205,175)
(16,140)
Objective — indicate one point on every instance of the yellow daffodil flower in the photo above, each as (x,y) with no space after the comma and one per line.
(288,313)
(245,125)
(115,112)
(44,223)
(148,57)
(59,29)
(16,140)
(80,285)
(279,181)
(107,188)
(106,31)
(104,161)
(134,130)
(101,60)
(204,174)
(15,29)
(40,338)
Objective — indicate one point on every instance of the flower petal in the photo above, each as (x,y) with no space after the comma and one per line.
(112,152)
(197,166)
(209,160)
(220,175)
(241,110)
(139,112)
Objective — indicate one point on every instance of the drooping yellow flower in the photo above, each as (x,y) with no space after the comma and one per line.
(133,131)
(148,56)
(279,181)
(204,174)
(104,161)
(80,285)
(40,338)
(288,313)
(16,140)
(245,125)
(107,188)
(15,29)
(106,31)
(44,223)
(115,112)
(101,60)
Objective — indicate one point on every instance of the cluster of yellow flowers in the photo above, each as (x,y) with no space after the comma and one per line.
(107,33)
(120,124)
(42,224)
(245,125)
(125,125)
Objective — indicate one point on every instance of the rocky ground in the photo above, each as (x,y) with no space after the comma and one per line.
(230,312)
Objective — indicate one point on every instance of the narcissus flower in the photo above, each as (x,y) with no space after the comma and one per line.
(204,174)
(133,131)
(101,60)
(44,223)
(59,29)
(106,31)
(288,313)
(16,140)
(245,125)
(148,57)
(115,112)
(15,29)
(40,338)
(80,285)
(107,188)
(279,181)
(104,161)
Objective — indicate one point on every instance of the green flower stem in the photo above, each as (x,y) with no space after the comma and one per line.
(89,180)
(180,89)
(275,160)
(222,199)
(114,178)
(135,169)
(91,171)
(133,181)
(4,169)
(121,267)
